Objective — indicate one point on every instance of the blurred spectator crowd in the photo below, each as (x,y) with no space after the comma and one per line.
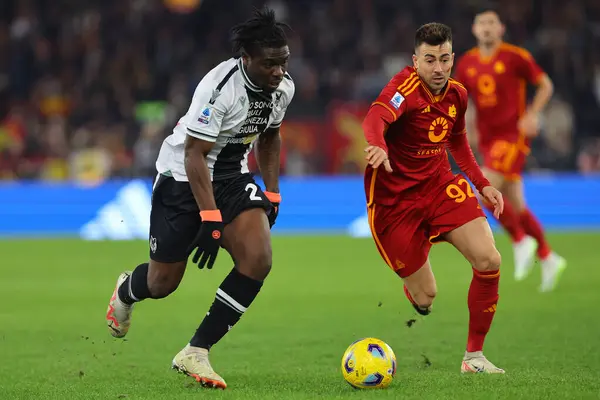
(89,89)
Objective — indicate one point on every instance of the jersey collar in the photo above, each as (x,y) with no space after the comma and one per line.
(246,78)
(487,59)
(432,97)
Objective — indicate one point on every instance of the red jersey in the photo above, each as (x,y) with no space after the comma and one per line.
(498,87)
(418,128)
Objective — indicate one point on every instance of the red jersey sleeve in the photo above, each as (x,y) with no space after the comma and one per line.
(388,107)
(527,67)
(459,145)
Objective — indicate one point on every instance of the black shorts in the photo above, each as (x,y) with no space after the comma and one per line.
(175,219)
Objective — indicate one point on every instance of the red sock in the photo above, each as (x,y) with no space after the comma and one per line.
(509,221)
(483,297)
(533,228)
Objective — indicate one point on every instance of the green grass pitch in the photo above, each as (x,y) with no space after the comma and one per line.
(323,293)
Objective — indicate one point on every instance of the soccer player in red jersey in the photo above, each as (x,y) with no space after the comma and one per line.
(413,197)
(496,75)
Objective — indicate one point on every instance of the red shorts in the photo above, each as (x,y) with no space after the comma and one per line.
(405,232)
(506,157)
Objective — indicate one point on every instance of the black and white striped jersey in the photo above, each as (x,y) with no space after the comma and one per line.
(231,111)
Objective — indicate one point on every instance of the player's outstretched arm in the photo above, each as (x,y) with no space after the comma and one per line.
(268,159)
(374,127)
(463,155)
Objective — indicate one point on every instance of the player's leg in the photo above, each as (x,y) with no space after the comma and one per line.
(247,239)
(401,241)
(475,241)
(153,280)
(523,245)
(420,289)
(455,216)
(509,221)
(552,264)
(174,222)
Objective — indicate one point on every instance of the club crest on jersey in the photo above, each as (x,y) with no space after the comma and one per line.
(397,100)
(452,111)
(499,67)
(205,116)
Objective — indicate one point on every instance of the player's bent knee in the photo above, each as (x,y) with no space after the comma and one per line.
(431,293)
(489,262)
(422,286)
(163,278)
(163,286)
(424,299)
(262,262)
(257,263)
(160,290)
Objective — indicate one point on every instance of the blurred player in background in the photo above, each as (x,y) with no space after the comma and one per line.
(413,197)
(496,75)
(205,198)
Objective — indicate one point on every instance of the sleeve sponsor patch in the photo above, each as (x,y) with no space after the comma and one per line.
(204,117)
(397,100)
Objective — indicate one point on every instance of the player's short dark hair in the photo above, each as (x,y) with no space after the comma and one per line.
(433,34)
(261,31)
(487,7)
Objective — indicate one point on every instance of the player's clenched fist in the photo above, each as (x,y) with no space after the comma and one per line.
(494,197)
(377,156)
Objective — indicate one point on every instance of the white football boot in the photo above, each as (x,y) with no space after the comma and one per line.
(118,314)
(193,361)
(476,363)
(552,269)
(524,253)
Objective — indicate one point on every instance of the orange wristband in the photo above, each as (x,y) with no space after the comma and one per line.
(273,197)
(211,215)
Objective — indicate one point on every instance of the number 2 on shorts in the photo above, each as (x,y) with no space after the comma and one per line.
(456,193)
(253,189)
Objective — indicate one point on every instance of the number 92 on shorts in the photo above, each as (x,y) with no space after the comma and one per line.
(404,232)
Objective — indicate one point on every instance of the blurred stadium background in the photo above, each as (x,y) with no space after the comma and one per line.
(88,91)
